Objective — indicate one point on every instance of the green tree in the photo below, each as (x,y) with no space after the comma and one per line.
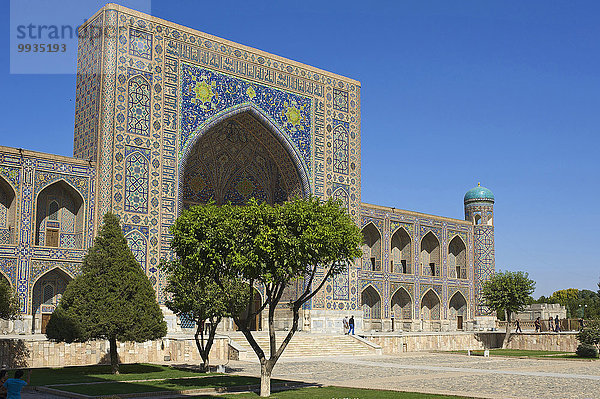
(196,296)
(569,298)
(590,334)
(507,292)
(274,247)
(9,302)
(111,299)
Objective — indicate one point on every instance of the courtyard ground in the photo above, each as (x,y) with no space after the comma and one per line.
(439,373)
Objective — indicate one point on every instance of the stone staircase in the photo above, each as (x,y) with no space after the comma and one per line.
(304,345)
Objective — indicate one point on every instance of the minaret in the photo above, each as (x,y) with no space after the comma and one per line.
(479,210)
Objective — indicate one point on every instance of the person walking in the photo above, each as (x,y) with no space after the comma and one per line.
(15,385)
(557,324)
(346,325)
(550,324)
(351,325)
(537,324)
(518,329)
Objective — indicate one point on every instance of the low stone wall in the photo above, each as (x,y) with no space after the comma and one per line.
(42,353)
(563,342)
(415,342)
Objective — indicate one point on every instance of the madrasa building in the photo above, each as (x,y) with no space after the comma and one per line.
(167,117)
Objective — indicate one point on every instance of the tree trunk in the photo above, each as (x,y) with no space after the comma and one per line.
(114,357)
(507,334)
(265,378)
(199,336)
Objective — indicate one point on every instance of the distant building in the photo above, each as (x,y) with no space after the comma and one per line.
(541,310)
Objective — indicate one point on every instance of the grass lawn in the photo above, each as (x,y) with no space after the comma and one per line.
(337,392)
(520,352)
(128,372)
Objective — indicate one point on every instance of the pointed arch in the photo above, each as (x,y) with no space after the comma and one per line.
(59,216)
(138,105)
(4,276)
(139,245)
(137,181)
(8,217)
(430,255)
(47,290)
(401,304)
(430,305)
(267,122)
(401,255)
(371,303)
(457,258)
(371,247)
(342,195)
(457,305)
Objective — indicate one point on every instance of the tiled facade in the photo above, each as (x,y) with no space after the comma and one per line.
(167,117)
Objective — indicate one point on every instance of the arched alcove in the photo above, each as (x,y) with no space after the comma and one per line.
(8,206)
(255,323)
(430,306)
(458,309)
(401,252)
(430,255)
(237,159)
(59,216)
(371,248)
(371,303)
(47,291)
(457,258)
(401,305)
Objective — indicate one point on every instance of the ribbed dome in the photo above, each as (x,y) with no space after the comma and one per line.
(479,194)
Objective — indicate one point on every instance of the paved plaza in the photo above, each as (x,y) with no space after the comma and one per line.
(496,377)
(455,374)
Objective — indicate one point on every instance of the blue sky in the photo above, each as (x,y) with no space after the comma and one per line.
(453,93)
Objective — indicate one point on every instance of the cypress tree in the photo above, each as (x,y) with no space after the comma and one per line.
(112,299)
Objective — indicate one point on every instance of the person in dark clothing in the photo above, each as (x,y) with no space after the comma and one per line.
(518,329)
(538,325)
(351,325)
(557,324)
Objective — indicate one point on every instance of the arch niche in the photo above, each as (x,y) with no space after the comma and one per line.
(8,207)
(371,304)
(371,248)
(457,258)
(59,216)
(430,306)
(430,255)
(458,309)
(47,291)
(401,305)
(239,156)
(401,253)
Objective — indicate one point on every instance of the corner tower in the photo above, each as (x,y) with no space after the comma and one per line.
(479,210)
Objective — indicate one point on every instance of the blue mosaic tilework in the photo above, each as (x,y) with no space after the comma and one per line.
(136,180)
(138,106)
(204,93)
(340,146)
(8,266)
(340,100)
(140,43)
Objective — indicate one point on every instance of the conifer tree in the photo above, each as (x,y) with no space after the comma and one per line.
(112,299)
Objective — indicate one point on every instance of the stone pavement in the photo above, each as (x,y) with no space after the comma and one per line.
(442,373)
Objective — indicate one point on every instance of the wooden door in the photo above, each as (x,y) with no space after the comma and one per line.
(459,322)
(52,238)
(45,320)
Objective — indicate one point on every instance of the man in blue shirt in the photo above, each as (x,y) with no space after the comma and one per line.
(15,385)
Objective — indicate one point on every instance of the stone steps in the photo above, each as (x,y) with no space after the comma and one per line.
(306,345)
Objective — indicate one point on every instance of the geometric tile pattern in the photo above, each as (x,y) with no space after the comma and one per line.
(140,43)
(340,100)
(136,182)
(138,110)
(340,147)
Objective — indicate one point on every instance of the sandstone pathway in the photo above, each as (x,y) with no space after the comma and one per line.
(455,374)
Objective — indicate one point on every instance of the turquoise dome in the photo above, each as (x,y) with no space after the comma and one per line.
(479,194)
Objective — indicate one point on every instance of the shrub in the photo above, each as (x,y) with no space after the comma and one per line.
(587,350)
